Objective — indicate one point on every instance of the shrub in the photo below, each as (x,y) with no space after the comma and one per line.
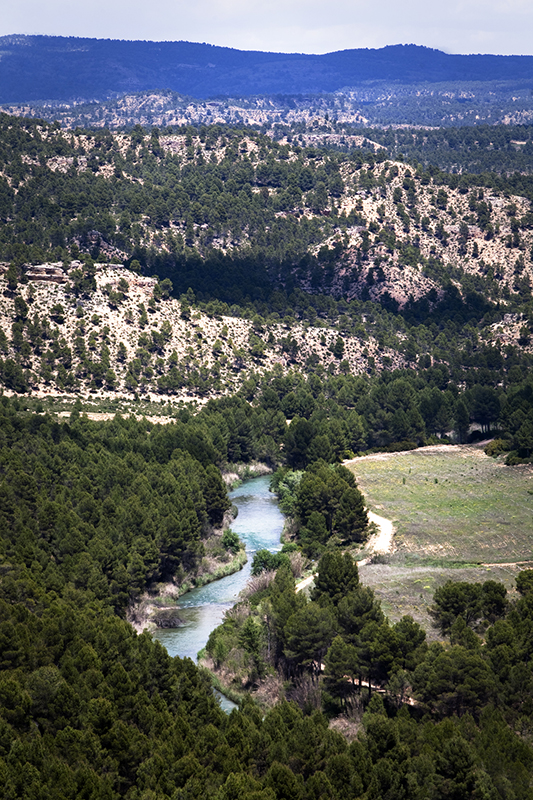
(265,561)
(231,542)
(497,446)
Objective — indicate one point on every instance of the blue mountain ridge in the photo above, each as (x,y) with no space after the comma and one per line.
(56,68)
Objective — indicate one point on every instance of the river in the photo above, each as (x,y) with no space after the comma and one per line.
(259,524)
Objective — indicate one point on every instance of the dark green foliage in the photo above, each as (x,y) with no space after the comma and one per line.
(470,601)
(231,541)
(215,494)
(90,709)
(113,507)
(342,662)
(58,211)
(91,515)
(314,535)
(91,705)
(454,681)
(309,633)
(328,503)
(485,406)
(297,441)
(524,581)
(344,628)
(264,560)
(358,607)
(481,149)
(337,576)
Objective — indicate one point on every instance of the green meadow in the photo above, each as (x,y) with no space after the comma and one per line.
(458,515)
(452,504)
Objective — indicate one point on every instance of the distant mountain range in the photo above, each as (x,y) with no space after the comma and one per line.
(62,69)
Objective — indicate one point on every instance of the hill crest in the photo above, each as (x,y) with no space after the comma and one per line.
(55,68)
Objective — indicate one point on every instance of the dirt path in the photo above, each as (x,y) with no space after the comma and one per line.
(304,583)
(382,541)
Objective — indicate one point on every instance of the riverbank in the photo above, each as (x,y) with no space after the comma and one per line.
(235,474)
(259,524)
(206,664)
(163,609)
(267,692)
(159,609)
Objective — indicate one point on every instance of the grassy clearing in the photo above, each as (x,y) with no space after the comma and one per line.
(407,589)
(455,511)
(451,504)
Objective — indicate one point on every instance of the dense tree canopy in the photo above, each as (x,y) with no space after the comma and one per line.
(91,513)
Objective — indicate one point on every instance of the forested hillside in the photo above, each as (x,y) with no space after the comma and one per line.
(277,301)
(276,213)
(481,149)
(46,68)
(449,104)
(90,709)
(284,257)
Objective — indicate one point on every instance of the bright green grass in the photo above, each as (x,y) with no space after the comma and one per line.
(452,505)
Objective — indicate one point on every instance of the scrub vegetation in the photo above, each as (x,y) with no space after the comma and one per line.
(185,303)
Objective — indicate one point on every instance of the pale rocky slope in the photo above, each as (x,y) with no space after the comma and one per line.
(217,347)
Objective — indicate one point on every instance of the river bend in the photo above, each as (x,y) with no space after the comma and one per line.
(259,524)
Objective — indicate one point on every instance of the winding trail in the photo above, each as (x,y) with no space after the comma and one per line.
(382,541)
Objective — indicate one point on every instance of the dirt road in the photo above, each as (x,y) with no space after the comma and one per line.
(382,541)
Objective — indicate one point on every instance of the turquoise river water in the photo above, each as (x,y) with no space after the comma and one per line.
(259,524)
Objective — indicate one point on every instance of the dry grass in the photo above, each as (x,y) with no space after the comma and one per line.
(452,504)
(349,726)
(458,514)
(258,583)
(298,562)
(406,589)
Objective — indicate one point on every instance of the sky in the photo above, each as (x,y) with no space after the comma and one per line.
(292,26)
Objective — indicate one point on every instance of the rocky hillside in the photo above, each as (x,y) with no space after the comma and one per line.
(418,235)
(365,225)
(384,105)
(116,339)
(269,255)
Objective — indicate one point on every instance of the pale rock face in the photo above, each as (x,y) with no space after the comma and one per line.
(212,343)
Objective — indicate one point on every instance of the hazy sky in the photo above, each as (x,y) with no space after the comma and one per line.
(308,26)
